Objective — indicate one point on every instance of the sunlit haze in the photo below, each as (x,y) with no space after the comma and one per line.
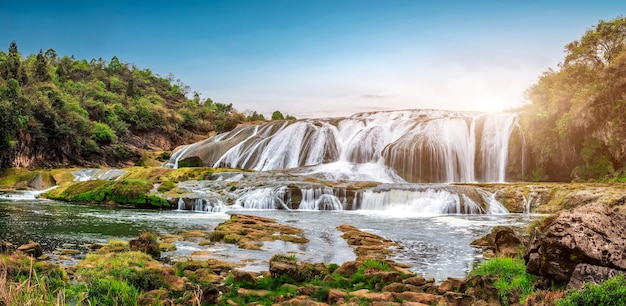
(321,58)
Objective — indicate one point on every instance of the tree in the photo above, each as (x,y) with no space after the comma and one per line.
(600,45)
(13,62)
(130,89)
(277,115)
(115,66)
(51,54)
(41,68)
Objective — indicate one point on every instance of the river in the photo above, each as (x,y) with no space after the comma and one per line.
(434,246)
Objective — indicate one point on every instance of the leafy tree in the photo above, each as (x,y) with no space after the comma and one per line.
(600,45)
(277,115)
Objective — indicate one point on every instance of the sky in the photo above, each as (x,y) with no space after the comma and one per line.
(321,58)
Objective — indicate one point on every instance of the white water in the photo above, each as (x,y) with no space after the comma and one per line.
(319,199)
(84,175)
(420,145)
(23,195)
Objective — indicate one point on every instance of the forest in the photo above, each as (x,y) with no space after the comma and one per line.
(62,111)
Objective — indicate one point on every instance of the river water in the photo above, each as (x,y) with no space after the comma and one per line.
(435,246)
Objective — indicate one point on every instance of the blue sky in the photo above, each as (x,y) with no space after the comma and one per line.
(321,58)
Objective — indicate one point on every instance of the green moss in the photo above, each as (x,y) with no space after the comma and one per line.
(166,186)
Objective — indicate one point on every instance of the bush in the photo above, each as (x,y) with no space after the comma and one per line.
(512,277)
(102,133)
(611,292)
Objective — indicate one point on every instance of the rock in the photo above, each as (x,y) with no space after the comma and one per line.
(591,234)
(424,298)
(394,287)
(348,268)
(508,243)
(240,276)
(458,299)
(585,273)
(373,296)
(309,289)
(68,252)
(260,293)
(451,284)
(482,288)
(5,247)
(336,295)
(147,243)
(280,267)
(32,249)
(301,301)
(415,281)
(210,295)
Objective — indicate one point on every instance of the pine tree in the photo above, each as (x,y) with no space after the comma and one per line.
(13,62)
(41,68)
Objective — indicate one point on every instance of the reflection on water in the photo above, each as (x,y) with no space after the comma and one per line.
(435,246)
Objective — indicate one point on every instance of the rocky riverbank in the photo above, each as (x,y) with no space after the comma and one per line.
(562,252)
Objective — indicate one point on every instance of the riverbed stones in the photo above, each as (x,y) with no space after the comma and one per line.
(592,234)
(248,231)
(31,248)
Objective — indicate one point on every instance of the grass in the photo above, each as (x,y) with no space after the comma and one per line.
(611,292)
(512,277)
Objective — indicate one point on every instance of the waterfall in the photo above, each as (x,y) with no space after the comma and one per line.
(419,145)
(319,199)
(427,202)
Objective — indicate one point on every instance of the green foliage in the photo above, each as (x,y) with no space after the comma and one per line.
(166,186)
(576,114)
(611,292)
(512,277)
(111,291)
(102,133)
(81,105)
(277,115)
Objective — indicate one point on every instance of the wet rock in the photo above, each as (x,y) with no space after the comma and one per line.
(592,234)
(147,243)
(348,268)
(248,231)
(508,243)
(585,273)
(32,249)
(68,252)
(260,293)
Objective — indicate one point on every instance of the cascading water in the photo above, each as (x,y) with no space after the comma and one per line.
(420,145)
(319,199)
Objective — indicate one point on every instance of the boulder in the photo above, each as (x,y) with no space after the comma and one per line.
(240,276)
(32,249)
(283,267)
(591,234)
(458,299)
(585,273)
(508,243)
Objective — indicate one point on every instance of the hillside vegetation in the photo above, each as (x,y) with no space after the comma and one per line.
(575,125)
(61,111)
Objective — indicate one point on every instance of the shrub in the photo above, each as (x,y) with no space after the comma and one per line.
(102,133)
(611,292)
(512,277)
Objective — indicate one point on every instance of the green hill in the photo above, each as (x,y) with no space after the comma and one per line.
(61,111)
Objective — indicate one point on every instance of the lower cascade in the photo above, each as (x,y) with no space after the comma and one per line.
(417,200)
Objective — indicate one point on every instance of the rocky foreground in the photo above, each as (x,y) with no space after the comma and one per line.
(561,254)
